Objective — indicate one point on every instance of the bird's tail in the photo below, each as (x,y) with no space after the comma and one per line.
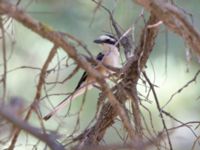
(64,103)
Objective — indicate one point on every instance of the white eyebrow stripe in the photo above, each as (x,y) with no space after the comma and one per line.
(105,37)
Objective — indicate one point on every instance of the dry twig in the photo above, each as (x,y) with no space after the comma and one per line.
(49,139)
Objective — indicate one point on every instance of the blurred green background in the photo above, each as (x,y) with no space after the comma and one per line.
(167,66)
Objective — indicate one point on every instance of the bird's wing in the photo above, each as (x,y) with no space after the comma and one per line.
(100,56)
(78,91)
(83,78)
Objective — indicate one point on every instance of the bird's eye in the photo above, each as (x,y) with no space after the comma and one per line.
(109,41)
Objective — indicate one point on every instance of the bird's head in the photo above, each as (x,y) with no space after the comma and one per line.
(107,41)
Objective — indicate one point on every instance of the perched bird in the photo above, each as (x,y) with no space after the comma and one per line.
(109,56)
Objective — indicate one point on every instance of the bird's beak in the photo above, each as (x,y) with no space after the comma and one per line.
(98,41)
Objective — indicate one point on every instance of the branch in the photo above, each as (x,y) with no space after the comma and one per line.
(159,109)
(175,19)
(7,114)
(125,39)
(133,146)
(131,75)
(47,33)
(181,89)
(38,91)
(43,72)
(4,55)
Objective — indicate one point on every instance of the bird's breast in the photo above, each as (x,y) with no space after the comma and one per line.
(111,58)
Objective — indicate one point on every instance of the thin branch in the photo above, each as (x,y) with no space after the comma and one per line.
(77,41)
(133,145)
(126,38)
(43,72)
(182,123)
(57,39)
(7,114)
(182,88)
(175,19)
(38,92)
(73,72)
(159,109)
(4,79)
(130,74)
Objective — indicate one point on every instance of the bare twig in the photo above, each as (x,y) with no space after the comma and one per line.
(43,72)
(22,125)
(4,79)
(58,40)
(107,114)
(159,109)
(175,19)
(126,38)
(38,92)
(182,88)
(74,71)
(182,123)
(77,41)
(133,146)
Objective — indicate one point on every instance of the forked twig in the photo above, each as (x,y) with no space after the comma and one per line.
(159,109)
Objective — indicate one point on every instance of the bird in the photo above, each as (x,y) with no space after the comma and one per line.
(109,56)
